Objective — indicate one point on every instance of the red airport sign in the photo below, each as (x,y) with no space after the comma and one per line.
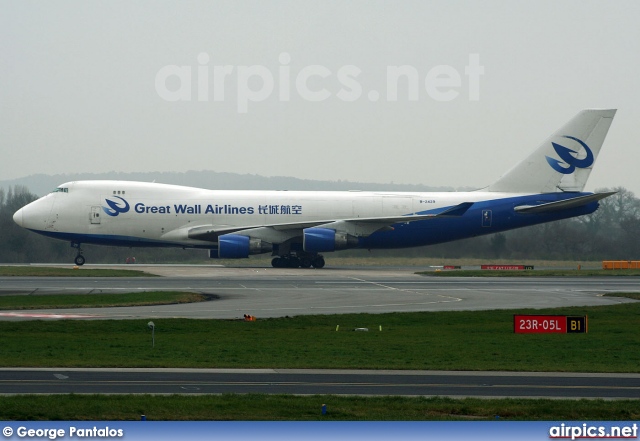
(506,267)
(549,324)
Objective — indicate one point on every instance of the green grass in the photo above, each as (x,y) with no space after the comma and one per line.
(532,273)
(289,408)
(459,340)
(19,302)
(38,271)
(630,295)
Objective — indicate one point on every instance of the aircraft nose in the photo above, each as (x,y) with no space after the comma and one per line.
(18,217)
(34,215)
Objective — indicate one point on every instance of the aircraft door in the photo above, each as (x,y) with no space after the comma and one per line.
(486,218)
(94,216)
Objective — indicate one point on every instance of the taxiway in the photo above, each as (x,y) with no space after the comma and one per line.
(271,292)
(312,382)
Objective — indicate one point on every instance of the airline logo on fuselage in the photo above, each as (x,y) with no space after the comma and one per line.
(569,157)
(122,206)
(115,207)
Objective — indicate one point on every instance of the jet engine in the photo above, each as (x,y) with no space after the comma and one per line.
(236,246)
(318,240)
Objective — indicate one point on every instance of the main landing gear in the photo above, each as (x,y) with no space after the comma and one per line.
(79,260)
(294,261)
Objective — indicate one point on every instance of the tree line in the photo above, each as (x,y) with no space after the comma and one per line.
(611,233)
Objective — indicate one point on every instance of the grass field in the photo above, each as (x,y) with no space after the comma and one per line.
(458,340)
(38,271)
(289,408)
(20,302)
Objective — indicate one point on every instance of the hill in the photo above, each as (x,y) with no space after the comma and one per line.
(41,184)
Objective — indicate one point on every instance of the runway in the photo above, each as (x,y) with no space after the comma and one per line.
(272,292)
(314,382)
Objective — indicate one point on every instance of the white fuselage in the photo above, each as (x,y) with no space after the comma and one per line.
(150,212)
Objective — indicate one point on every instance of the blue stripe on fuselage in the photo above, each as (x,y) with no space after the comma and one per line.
(503,217)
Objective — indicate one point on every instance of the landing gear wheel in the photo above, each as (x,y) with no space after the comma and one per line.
(318,262)
(290,261)
(80,260)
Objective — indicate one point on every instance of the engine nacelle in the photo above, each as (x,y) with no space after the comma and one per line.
(236,246)
(319,240)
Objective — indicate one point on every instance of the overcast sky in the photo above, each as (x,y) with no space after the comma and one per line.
(104,86)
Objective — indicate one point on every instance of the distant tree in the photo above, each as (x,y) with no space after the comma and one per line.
(15,242)
(498,243)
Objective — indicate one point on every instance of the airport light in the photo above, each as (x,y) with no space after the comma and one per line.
(152,326)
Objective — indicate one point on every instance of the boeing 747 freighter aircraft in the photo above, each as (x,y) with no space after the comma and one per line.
(296,226)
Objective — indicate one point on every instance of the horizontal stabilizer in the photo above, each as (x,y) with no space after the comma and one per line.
(563,205)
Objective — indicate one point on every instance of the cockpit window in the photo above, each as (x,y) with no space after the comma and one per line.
(61,190)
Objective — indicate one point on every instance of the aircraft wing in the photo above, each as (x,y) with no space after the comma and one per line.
(563,205)
(212,232)
(454,211)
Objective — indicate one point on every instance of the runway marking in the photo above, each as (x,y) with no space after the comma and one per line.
(452,299)
(41,315)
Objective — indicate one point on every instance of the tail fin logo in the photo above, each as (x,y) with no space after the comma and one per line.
(569,157)
(115,207)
